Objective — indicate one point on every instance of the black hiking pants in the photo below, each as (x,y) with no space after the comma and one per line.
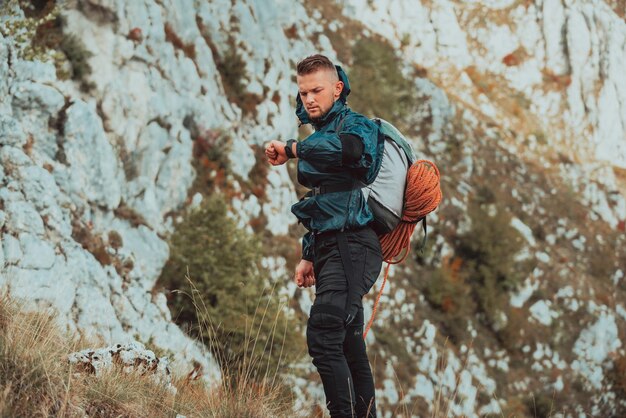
(335,326)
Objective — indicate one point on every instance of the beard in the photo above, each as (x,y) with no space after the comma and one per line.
(317,119)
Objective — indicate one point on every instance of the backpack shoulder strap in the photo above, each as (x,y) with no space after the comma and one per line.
(396,136)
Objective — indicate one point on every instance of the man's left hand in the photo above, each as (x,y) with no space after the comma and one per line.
(305,275)
(275,153)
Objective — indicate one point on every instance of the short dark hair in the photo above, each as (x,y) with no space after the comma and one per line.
(315,63)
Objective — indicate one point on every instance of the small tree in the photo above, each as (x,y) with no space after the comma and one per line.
(489,250)
(379,87)
(224,300)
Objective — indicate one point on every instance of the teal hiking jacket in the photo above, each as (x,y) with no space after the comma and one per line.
(320,164)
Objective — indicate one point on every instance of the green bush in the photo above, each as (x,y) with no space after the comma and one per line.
(232,68)
(226,300)
(39,36)
(24,29)
(78,57)
(488,250)
(391,340)
(540,405)
(447,291)
(477,280)
(378,86)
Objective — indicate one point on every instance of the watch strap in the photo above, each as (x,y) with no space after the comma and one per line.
(289,148)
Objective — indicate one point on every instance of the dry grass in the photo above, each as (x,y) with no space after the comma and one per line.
(251,385)
(246,400)
(33,381)
(37,381)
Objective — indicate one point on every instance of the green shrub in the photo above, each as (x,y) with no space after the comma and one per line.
(232,69)
(23,30)
(78,57)
(540,405)
(478,278)
(225,298)
(39,36)
(391,340)
(488,250)
(378,86)
(211,148)
(447,291)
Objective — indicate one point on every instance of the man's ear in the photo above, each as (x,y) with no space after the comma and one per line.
(338,89)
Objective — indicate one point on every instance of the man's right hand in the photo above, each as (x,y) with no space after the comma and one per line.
(275,153)
(305,277)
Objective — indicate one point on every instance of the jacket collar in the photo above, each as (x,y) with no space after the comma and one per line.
(337,107)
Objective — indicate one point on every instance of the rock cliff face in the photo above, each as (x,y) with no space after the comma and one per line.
(522,104)
(566,58)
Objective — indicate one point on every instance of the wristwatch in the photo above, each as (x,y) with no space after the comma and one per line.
(289,148)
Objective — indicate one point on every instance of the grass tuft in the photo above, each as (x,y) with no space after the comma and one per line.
(36,380)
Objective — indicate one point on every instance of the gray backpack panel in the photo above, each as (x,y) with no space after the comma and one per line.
(385,195)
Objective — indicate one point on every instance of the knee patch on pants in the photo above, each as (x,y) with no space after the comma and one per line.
(325,333)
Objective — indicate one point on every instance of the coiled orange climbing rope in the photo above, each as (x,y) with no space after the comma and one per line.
(422,196)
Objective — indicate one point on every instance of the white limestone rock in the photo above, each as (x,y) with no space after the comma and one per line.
(278,209)
(543,313)
(148,252)
(11,132)
(611,145)
(38,253)
(451,40)
(241,156)
(23,217)
(45,288)
(131,357)
(594,345)
(434,106)
(4,76)
(525,291)
(424,388)
(579,43)
(31,100)
(524,230)
(39,187)
(13,157)
(12,250)
(553,22)
(36,71)
(92,170)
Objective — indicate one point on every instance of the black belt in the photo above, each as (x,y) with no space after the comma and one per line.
(331,188)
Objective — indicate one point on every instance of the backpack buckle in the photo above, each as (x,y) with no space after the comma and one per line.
(316,190)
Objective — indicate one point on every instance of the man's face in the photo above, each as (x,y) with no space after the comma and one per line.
(318,91)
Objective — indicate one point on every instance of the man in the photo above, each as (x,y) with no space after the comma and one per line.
(341,254)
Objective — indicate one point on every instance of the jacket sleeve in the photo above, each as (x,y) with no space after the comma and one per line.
(351,148)
(367,132)
(325,150)
(322,149)
(307,247)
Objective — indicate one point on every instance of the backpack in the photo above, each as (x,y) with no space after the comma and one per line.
(402,194)
(385,195)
